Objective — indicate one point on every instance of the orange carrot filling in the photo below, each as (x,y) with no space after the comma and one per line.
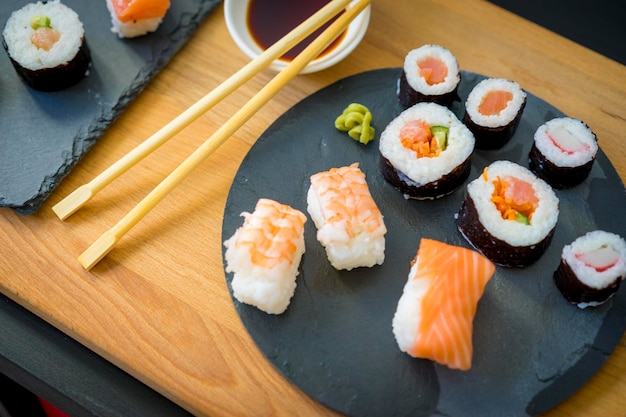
(416,135)
(494,102)
(513,197)
(433,70)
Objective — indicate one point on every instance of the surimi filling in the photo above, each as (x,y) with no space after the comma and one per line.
(494,102)
(433,70)
(600,259)
(424,140)
(565,141)
(515,199)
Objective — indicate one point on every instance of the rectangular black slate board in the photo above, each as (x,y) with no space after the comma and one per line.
(44,135)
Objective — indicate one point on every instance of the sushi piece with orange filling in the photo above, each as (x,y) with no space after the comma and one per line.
(509,214)
(132,18)
(264,254)
(430,74)
(493,110)
(435,314)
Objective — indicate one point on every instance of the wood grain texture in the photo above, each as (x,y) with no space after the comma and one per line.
(158,306)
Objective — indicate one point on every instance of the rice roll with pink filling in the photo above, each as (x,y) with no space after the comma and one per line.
(509,214)
(493,110)
(264,254)
(430,74)
(563,152)
(592,268)
(426,151)
(46,45)
(349,224)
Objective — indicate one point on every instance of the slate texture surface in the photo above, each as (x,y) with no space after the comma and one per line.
(44,134)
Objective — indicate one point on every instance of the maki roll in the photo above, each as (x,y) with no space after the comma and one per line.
(591,268)
(349,224)
(493,110)
(264,254)
(132,18)
(563,152)
(46,45)
(425,152)
(430,73)
(435,314)
(509,214)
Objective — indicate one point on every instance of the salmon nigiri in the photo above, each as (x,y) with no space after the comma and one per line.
(132,18)
(265,254)
(435,314)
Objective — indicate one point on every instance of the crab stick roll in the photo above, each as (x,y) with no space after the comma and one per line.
(46,45)
(509,214)
(435,314)
(132,18)
(425,152)
(264,254)
(349,224)
(592,268)
(563,152)
(493,110)
(430,73)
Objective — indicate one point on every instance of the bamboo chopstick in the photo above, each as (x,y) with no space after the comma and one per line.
(107,240)
(72,202)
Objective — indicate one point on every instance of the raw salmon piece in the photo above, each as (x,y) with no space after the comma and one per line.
(133,10)
(433,70)
(494,102)
(435,314)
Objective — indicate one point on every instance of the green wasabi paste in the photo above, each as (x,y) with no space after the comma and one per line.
(356,119)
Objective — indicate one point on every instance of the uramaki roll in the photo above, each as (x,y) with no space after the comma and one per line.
(430,74)
(509,214)
(563,152)
(493,110)
(425,152)
(591,268)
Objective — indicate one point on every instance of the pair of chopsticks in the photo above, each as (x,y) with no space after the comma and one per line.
(103,245)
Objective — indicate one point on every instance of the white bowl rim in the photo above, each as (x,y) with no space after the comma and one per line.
(235,12)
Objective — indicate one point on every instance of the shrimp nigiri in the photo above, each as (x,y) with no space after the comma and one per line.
(265,254)
(435,314)
(349,224)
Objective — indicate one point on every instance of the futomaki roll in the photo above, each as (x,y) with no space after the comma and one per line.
(431,73)
(493,110)
(46,45)
(592,268)
(509,214)
(563,152)
(425,152)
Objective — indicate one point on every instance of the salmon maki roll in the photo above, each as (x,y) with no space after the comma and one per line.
(264,254)
(509,214)
(435,314)
(430,74)
(132,18)
(349,224)
(493,110)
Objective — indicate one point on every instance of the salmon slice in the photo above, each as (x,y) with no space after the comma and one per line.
(133,10)
(494,102)
(433,70)
(45,38)
(435,314)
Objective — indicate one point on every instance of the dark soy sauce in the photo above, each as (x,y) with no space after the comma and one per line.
(270,20)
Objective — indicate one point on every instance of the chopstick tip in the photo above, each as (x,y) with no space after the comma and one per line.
(66,207)
(98,250)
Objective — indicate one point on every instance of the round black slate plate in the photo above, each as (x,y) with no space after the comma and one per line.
(531,348)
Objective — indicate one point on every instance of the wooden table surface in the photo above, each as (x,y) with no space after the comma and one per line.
(158,306)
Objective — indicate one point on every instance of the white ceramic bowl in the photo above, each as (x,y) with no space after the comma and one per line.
(235,13)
